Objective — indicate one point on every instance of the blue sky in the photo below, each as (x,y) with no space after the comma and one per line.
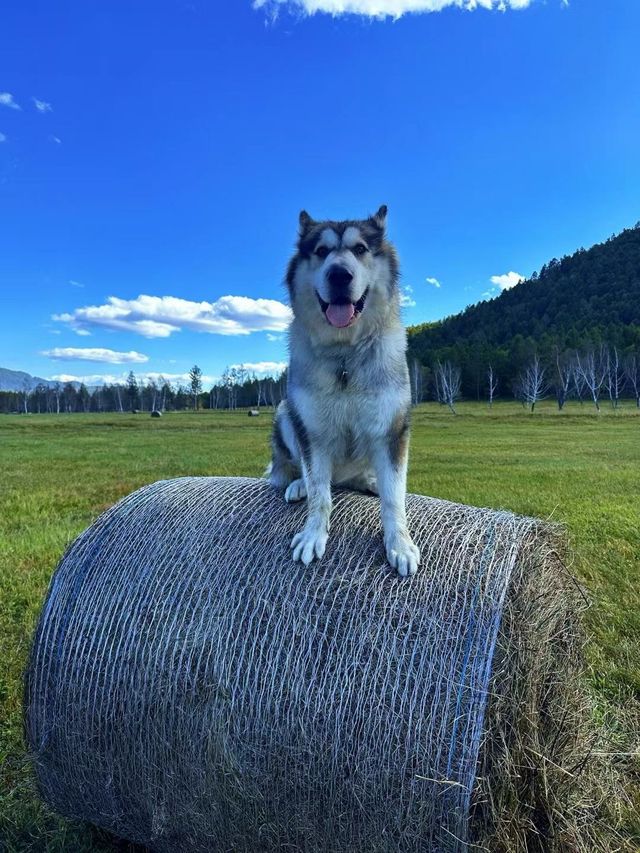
(154,157)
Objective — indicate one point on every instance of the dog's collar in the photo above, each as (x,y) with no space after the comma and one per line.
(343,374)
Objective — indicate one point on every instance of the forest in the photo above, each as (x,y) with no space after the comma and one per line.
(584,307)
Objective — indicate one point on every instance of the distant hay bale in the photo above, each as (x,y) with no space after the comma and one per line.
(156,414)
(253,413)
(192,689)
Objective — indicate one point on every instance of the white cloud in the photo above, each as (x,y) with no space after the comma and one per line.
(56,139)
(142,378)
(75,283)
(384,8)
(406,297)
(6,100)
(433,281)
(42,106)
(271,337)
(107,356)
(507,281)
(161,316)
(265,368)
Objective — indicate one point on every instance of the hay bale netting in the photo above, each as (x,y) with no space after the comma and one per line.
(192,689)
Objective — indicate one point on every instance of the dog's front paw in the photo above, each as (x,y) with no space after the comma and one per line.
(296,491)
(309,544)
(402,553)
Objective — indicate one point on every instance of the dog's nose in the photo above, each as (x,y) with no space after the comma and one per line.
(339,278)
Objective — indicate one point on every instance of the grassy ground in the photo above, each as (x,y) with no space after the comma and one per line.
(58,473)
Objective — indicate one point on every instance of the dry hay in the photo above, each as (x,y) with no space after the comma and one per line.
(192,689)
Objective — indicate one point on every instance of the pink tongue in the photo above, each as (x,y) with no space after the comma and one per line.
(340,315)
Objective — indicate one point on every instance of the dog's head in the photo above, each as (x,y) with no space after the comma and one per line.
(343,276)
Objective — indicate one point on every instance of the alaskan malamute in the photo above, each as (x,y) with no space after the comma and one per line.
(346,417)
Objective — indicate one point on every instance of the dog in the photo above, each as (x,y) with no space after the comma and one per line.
(345,420)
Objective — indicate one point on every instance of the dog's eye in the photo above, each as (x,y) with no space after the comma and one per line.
(322,251)
(360,249)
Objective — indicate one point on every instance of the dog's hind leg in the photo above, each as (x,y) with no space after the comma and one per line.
(296,491)
(284,468)
(364,482)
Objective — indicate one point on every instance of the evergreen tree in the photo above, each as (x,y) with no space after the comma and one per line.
(195,384)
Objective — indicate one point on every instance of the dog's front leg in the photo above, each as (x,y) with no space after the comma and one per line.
(312,539)
(390,461)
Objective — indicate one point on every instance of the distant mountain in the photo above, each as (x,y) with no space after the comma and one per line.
(580,301)
(18,380)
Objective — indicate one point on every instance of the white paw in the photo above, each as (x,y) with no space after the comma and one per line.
(296,491)
(402,553)
(309,544)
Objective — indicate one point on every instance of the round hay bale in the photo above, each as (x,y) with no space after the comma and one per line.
(192,689)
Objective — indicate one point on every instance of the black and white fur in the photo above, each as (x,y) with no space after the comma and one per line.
(346,417)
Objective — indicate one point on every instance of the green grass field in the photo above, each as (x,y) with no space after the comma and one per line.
(58,473)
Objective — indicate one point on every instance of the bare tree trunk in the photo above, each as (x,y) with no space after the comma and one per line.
(563,378)
(615,378)
(493,385)
(416,382)
(531,384)
(448,384)
(592,370)
(632,374)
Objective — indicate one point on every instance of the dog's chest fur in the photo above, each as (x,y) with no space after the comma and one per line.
(348,395)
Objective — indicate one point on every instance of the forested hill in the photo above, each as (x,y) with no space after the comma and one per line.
(574,304)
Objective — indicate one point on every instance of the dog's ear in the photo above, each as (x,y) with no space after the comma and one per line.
(379,219)
(305,222)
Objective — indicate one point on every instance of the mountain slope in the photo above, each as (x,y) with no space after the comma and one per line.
(590,297)
(18,380)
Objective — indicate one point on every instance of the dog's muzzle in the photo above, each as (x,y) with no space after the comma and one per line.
(342,314)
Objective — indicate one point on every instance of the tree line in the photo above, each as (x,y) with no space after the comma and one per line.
(237,388)
(595,375)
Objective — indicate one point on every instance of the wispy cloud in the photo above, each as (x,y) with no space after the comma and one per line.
(6,100)
(106,356)
(507,281)
(75,283)
(385,8)
(42,106)
(272,338)
(161,316)
(433,281)
(263,368)
(406,297)
(55,139)
(3,137)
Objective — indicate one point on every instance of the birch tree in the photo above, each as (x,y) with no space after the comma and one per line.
(614,376)
(416,382)
(447,384)
(532,385)
(492,383)
(564,376)
(591,367)
(631,368)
